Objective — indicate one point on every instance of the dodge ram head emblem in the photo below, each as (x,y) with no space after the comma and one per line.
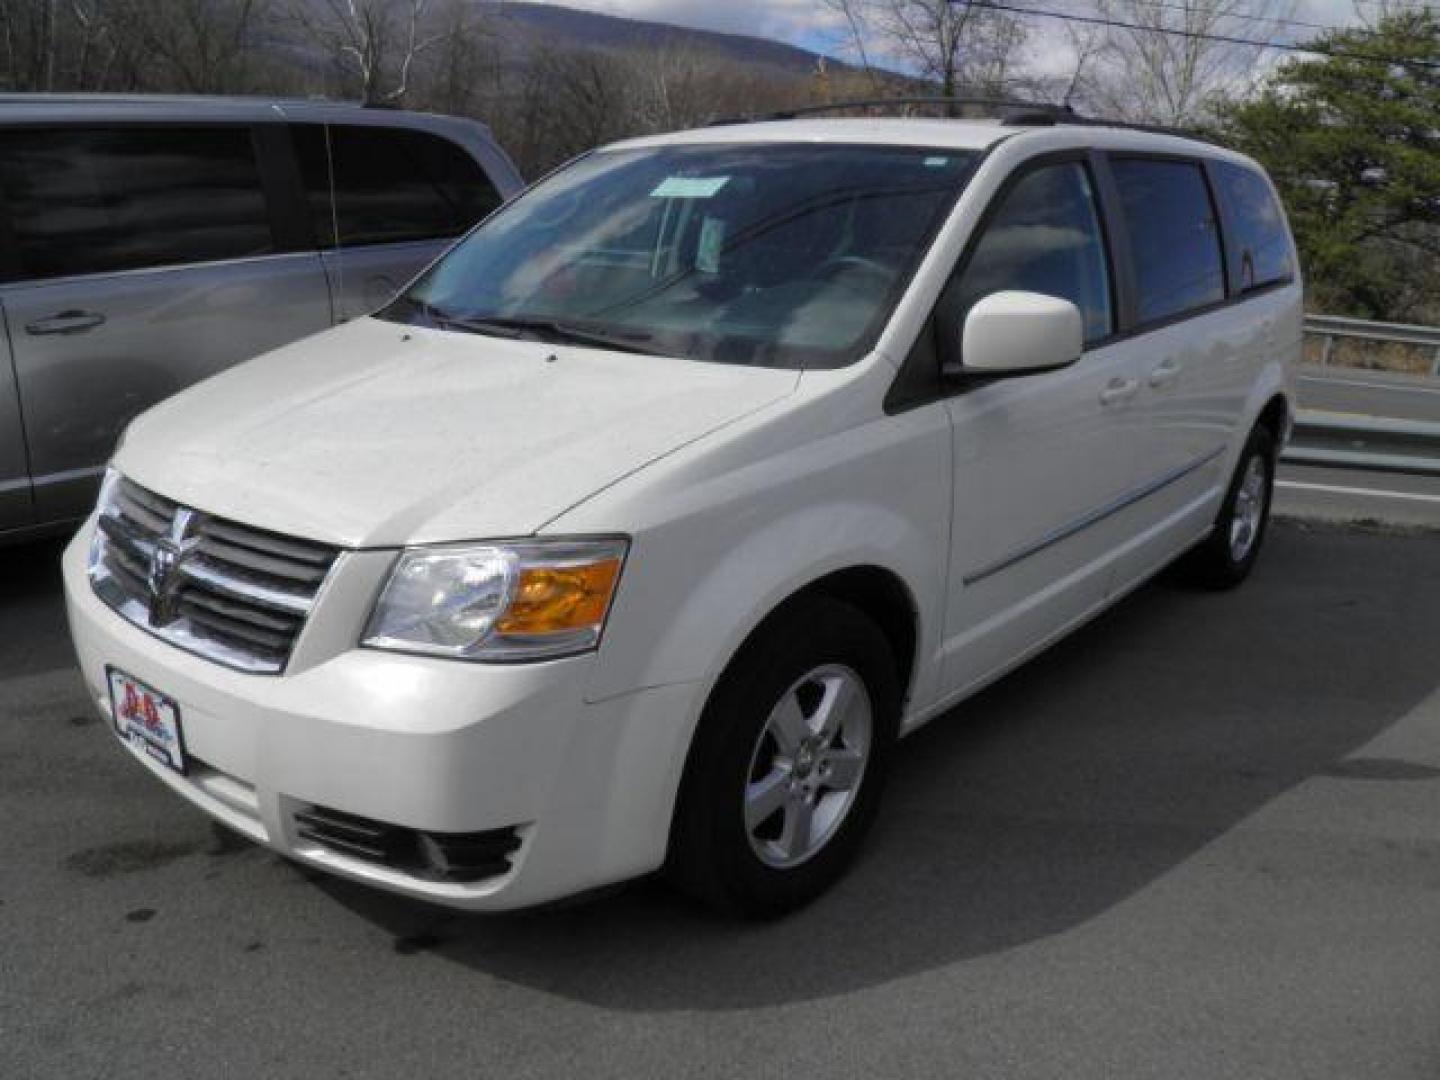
(166,559)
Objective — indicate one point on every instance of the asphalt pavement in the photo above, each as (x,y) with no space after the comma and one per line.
(1200,838)
(1372,393)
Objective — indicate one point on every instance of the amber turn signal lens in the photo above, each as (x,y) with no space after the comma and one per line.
(551,600)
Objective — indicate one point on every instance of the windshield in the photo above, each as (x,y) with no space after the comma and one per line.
(778,255)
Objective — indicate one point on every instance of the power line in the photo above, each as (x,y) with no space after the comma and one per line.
(1254,17)
(1226,39)
(1429,9)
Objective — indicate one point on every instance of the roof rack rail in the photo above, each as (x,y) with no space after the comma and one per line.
(1011,112)
(1001,107)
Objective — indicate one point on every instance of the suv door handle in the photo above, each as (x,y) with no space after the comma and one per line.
(1118,391)
(67,322)
(1164,373)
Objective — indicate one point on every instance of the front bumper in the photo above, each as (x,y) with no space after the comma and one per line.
(433,745)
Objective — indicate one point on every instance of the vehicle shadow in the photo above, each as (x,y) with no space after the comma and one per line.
(32,625)
(1033,808)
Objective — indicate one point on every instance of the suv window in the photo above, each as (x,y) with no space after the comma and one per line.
(1261,247)
(89,201)
(391,185)
(1174,240)
(1045,237)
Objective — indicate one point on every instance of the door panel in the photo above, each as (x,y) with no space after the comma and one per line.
(15,504)
(364,279)
(1194,365)
(1042,464)
(1191,424)
(1172,228)
(91,353)
(1194,380)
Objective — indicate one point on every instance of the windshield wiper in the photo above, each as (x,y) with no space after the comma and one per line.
(547,330)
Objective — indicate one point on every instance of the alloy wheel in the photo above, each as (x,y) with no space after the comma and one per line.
(1249,509)
(807,765)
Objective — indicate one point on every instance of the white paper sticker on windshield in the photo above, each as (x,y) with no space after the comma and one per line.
(689,187)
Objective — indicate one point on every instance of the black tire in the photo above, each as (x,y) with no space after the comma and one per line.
(711,853)
(1215,563)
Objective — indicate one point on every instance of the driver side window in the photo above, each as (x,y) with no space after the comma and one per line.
(1044,238)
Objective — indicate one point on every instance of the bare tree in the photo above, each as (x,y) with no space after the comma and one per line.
(955,44)
(1086,42)
(95,47)
(1371,13)
(546,101)
(1166,62)
(31,44)
(849,10)
(464,70)
(678,85)
(194,46)
(375,43)
(56,45)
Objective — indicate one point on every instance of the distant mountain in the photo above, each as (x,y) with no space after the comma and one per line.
(567,27)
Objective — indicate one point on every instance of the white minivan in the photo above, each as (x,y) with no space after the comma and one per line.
(638,528)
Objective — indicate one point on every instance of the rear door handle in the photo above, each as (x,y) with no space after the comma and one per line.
(67,322)
(1119,391)
(1164,373)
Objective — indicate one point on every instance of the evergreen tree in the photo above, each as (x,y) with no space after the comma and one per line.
(1352,140)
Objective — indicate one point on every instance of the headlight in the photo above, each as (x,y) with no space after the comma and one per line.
(527,600)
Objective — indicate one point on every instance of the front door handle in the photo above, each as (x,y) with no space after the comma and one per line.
(1164,373)
(1119,391)
(67,322)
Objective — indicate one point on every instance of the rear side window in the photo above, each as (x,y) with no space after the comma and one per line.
(391,185)
(1174,239)
(1045,237)
(1261,244)
(90,201)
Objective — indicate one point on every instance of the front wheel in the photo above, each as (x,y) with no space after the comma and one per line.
(1225,558)
(787,766)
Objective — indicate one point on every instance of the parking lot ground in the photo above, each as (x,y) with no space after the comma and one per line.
(1201,838)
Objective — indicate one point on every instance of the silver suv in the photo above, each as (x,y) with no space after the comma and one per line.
(146,243)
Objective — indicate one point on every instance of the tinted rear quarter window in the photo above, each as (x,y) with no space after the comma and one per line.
(391,185)
(89,200)
(1260,252)
(1173,236)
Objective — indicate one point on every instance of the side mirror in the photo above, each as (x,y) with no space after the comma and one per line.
(1020,333)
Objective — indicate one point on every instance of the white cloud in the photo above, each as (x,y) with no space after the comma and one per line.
(800,21)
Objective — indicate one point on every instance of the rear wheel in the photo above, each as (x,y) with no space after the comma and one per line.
(787,767)
(1225,558)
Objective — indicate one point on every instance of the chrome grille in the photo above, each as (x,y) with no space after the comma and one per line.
(235,594)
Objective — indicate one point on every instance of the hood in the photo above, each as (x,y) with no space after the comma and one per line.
(377,435)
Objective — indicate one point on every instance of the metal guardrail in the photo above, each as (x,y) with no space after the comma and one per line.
(1372,443)
(1351,441)
(1330,327)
